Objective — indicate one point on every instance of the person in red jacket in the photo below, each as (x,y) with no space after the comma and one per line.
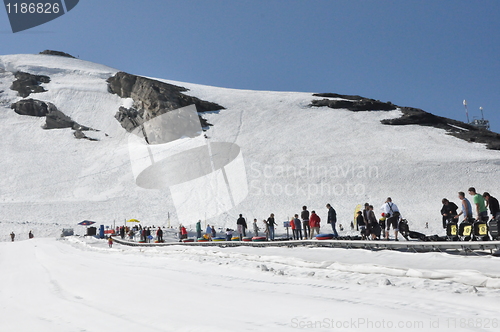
(314,223)
(184,233)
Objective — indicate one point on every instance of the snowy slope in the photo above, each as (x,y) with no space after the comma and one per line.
(293,155)
(81,285)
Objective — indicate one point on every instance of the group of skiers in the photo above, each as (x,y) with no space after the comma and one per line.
(478,209)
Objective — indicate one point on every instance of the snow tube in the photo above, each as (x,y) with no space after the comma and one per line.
(219,239)
(247,239)
(235,238)
(188,240)
(324,236)
(202,239)
(258,238)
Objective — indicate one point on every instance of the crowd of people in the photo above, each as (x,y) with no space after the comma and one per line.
(307,225)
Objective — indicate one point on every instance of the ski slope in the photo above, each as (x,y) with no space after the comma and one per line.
(80,284)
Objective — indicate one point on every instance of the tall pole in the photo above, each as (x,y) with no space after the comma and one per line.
(482,115)
(466,110)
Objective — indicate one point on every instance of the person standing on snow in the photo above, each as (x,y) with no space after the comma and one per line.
(466,208)
(12,236)
(270,224)
(266,230)
(492,203)
(449,211)
(360,220)
(314,223)
(208,232)
(332,219)
(241,225)
(392,215)
(255,228)
(110,242)
(198,229)
(297,229)
(479,205)
(159,235)
(30,235)
(304,215)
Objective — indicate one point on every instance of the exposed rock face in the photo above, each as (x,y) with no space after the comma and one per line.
(26,83)
(411,116)
(129,118)
(353,103)
(54,118)
(32,107)
(470,133)
(50,52)
(152,98)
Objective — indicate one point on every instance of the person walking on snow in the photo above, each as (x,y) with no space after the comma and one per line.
(110,242)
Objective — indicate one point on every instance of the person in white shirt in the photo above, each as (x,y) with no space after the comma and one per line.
(392,215)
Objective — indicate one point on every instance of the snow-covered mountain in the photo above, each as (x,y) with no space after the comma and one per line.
(268,152)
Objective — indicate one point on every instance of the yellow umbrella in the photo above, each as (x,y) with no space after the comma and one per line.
(133,220)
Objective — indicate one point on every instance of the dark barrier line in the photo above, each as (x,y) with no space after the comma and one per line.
(354,244)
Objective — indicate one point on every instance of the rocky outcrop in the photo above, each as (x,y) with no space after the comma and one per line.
(352,103)
(32,107)
(411,116)
(152,98)
(50,52)
(26,83)
(470,133)
(54,119)
(129,118)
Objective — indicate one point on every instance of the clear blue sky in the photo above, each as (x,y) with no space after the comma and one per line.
(420,53)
